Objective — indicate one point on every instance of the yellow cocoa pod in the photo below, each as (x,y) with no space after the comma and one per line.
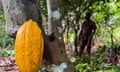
(29,45)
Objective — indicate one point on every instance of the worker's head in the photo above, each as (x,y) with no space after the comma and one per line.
(88,15)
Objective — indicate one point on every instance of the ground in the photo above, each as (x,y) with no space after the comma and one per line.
(7,64)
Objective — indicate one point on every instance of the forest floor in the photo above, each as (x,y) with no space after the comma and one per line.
(7,64)
(111,58)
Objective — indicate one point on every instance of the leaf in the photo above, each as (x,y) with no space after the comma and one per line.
(79,66)
(116,68)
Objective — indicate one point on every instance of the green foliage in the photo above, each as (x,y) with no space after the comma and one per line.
(116,33)
(107,70)
(113,68)
(98,63)
(43,6)
(1,16)
(116,68)
(106,14)
(83,67)
(6,52)
(5,40)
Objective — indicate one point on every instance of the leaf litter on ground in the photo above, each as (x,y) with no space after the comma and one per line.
(7,64)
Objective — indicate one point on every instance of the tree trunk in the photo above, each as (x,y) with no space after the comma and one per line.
(18,11)
(1,6)
(55,27)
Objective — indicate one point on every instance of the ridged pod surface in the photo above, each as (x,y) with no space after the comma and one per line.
(29,47)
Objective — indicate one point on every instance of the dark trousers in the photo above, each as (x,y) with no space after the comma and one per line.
(83,44)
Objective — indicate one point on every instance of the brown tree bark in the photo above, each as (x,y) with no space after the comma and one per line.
(53,25)
(57,46)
